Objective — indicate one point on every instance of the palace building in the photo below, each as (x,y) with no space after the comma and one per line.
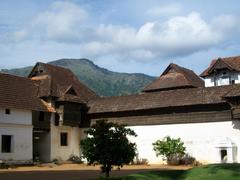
(44,116)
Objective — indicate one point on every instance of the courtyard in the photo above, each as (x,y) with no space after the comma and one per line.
(76,171)
(132,172)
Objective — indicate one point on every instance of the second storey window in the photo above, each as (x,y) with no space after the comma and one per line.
(7,111)
(6,144)
(64,139)
(41,116)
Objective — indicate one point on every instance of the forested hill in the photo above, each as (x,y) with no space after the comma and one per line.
(102,81)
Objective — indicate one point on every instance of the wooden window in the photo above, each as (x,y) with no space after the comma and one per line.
(6,143)
(64,139)
(7,111)
(41,116)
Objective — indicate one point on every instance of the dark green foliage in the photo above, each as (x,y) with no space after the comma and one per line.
(107,144)
(170,148)
(102,81)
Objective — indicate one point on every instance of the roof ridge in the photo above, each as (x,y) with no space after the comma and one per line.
(55,66)
(232,62)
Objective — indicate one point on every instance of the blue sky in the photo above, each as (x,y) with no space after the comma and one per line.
(126,36)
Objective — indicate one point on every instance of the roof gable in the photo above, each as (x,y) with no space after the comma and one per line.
(71,91)
(175,77)
(61,80)
(231,63)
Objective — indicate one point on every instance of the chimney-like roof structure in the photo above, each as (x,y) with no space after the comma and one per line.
(175,77)
(231,63)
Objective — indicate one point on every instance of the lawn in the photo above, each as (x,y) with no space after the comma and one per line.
(209,172)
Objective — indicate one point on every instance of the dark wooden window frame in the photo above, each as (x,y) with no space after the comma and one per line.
(6,144)
(64,139)
(7,111)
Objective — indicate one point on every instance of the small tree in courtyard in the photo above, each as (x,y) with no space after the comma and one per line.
(107,144)
(170,148)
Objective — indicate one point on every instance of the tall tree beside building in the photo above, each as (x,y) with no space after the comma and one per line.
(107,144)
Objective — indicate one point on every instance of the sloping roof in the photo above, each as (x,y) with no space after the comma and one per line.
(56,81)
(175,77)
(162,99)
(20,93)
(70,98)
(234,92)
(232,63)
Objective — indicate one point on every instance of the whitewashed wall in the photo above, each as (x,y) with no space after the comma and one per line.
(16,117)
(200,139)
(18,124)
(73,147)
(209,80)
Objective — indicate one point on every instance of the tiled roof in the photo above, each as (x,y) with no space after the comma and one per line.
(232,63)
(56,81)
(162,99)
(70,98)
(175,77)
(20,93)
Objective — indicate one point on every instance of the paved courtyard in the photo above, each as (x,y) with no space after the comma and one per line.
(74,172)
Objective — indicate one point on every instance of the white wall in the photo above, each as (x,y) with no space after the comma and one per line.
(209,80)
(18,124)
(73,147)
(200,139)
(16,116)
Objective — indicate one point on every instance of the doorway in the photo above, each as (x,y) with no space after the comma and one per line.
(223,155)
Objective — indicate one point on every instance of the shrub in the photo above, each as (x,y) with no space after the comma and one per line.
(171,149)
(75,159)
(57,161)
(188,160)
(141,161)
(3,165)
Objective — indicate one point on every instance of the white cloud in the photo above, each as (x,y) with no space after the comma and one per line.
(176,37)
(164,10)
(68,23)
(61,23)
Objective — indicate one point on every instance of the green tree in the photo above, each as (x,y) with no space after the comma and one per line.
(107,144)
(169,148)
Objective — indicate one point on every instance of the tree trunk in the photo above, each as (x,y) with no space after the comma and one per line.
(107,174)
(107,170)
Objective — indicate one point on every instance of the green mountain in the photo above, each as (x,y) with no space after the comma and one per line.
(102,81)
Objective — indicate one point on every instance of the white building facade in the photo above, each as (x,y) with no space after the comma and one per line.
(16,135)
(177,104)
(222,71)
(213,142)
(46,117)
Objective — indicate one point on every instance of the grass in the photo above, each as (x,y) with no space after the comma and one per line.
(208,172)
